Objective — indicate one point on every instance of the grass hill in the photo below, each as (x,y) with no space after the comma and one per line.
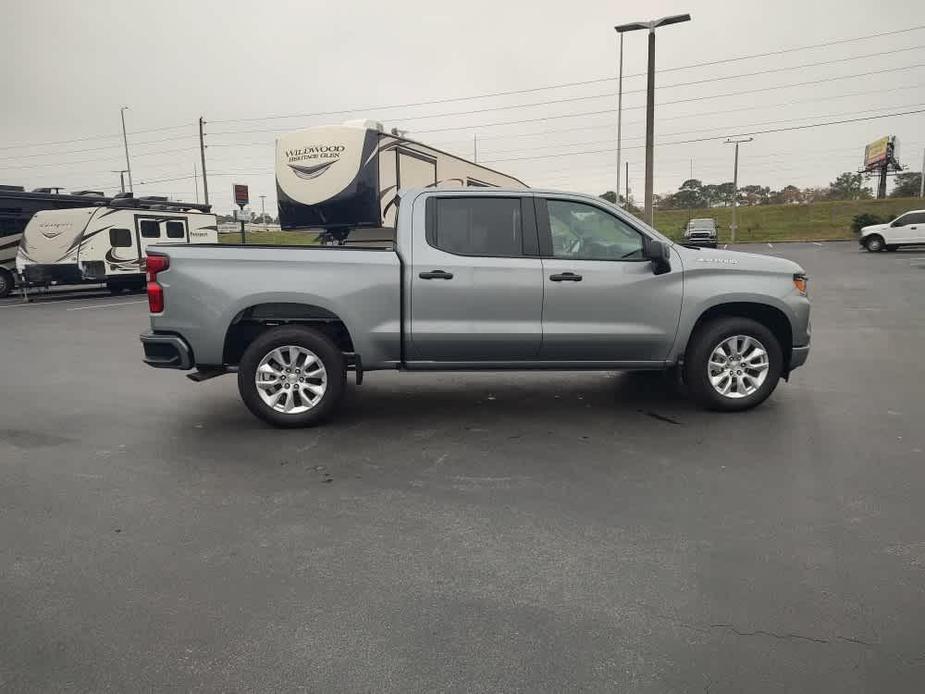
(819,221)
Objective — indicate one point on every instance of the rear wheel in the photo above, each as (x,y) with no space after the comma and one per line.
(292,376)
(874,243)
(732,364)
(6,282)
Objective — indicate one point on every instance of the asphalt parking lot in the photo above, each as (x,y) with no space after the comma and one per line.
(485,532)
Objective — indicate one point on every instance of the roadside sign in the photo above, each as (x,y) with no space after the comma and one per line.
(240,195)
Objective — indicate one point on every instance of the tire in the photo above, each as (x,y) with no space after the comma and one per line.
(309,407)
(6,282)
(874,243)
(720,332)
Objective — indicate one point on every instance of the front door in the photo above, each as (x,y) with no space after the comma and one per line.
(477,283)
(602,300)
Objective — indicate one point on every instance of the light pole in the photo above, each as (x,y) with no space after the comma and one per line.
(650,98)
(735,182)
(620,30)
(128,165)
(263,212)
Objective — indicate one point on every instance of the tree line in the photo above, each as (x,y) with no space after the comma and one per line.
(693,193)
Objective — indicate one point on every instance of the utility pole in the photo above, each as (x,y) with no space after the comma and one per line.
(196,181)
(475,147)
(626,198)
(128,165)
(922,181)
(202,154)
(121,173)
(649,214)
(735,183)
(263,212)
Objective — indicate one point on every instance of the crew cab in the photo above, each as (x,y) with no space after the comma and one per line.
(477,279)
(907,229)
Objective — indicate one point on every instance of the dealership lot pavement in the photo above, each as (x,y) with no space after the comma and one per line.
(486,532)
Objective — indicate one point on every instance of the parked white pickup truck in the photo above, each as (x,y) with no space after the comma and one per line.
(906,230)
(478,279)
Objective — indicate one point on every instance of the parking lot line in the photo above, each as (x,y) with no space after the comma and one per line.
(121,303)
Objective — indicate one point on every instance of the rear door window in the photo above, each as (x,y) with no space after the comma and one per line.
(488,226)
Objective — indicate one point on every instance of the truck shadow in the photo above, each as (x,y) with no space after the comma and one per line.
(559,397)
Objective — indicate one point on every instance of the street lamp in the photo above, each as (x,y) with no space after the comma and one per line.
(650,98)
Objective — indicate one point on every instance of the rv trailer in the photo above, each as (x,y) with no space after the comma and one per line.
(17,205)
(107,243)
(348,176)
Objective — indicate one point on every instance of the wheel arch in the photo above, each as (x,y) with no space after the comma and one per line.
(772,317)
(254,320)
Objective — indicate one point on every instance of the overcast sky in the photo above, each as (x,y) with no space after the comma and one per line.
(69,66)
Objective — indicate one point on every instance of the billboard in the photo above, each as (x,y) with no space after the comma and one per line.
(877,153)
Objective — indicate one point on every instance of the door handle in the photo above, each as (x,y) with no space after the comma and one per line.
(565,277)
(436,275)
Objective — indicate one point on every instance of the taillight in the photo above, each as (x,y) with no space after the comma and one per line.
(154,265)
(801,283)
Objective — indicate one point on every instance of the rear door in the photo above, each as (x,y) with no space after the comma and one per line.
(477,283)
(914,227)
(602,300)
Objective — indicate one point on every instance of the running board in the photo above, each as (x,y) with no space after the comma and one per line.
(201,375)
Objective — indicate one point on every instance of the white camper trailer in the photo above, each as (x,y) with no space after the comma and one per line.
(348,176)
(106,243)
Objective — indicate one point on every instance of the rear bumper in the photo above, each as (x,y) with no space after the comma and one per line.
(708,243)
(166,351)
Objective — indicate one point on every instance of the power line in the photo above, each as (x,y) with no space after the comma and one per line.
(607,95)
(668,103)
(686,116)
(90,161)
(705,130)
(94,149)
(432,102)
(716,137)
(94,137)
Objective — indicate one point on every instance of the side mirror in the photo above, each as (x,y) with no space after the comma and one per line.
(896,223)
(659,253)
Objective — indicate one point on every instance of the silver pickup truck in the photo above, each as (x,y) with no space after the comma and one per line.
(477,279)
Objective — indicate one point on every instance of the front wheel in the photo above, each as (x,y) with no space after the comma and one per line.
(732,364)
(874,243)
(6,282)
(292,376)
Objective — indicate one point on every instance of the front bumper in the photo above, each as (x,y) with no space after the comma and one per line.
(164,351)
(798,357)
(705,242)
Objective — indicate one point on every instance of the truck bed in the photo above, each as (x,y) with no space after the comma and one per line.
(218,283)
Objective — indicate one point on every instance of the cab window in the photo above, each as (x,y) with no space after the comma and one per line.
(585,232)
